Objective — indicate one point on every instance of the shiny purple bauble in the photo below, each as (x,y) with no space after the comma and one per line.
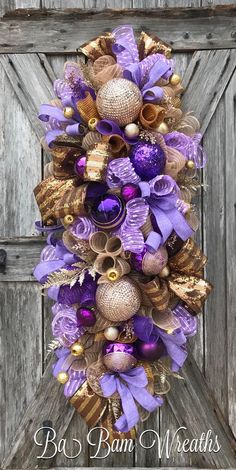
(107,212)
(150,351)
(148,160)
(80,165)
(136,260)
(85,317)
(130,191)
(110,347)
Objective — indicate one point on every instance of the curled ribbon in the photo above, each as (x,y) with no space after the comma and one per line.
(131,386)
(162,195)
(130,231)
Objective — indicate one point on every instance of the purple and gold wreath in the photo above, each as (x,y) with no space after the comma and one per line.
(120,261)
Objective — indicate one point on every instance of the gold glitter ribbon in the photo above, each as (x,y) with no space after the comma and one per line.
(150,44)
(57,198)
(111,415)
(87,107)
(184,281)
(97,47)
(63,159)
(90,406)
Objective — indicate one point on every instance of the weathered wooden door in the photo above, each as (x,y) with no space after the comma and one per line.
(34,44)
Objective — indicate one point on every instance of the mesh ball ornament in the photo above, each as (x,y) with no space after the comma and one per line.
(119,100)
(118,301)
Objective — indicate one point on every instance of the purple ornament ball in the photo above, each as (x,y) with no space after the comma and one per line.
(107,211)
(119,357)
(148,160)
(80,166)
(130,191)
(150,351)
(136,260)
(85,317)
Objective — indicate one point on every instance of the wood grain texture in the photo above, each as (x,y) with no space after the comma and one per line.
(206,80)
(31,80)
(183,28)
(20,165)
(20,338)
(230,229)
(22,256)
(48,404)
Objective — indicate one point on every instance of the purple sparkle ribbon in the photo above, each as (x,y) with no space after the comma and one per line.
(65,324)
(131,387)
(130,234)
(162,195)
(146,74)
(82,228)
(189,146)
(120,171)
(187,321)
(147,331)
(57,123)
(125,47)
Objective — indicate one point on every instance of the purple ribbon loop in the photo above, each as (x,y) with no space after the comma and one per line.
(131,386)
(125,47)
(147,331)
(109,127)
(162,195)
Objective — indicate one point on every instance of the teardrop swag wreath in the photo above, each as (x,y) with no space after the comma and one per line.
(120,261)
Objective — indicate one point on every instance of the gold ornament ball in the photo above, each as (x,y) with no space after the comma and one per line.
(163,128)
(119,361)
(68,112)
(63,377)
(77,349)
(190,164)
(68,219)
(119,100)
(92,124)
(112,274)
(131,130)
(111,333)
(119,300)
(175,79)
(164,272)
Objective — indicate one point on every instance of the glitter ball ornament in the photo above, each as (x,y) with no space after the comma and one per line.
(153,263)
(119,100)
(119,300)
(119,357)
(107,212)
(130,191)
(148,160)
(85,317)
(111,333)
(150,351)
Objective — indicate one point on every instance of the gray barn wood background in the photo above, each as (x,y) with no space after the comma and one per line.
(36,38)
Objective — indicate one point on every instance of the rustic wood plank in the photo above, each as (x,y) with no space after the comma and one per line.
(9,5)
(206,80)
(31,78)
(20,351)
(230,219)
(23,452)
(195,408)
(184,28)
(20,161)
(22,256)
(214,219)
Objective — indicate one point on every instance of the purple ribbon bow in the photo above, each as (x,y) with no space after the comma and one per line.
(131,386)
(162,195)
(109,127)
(145,330)
(147,72)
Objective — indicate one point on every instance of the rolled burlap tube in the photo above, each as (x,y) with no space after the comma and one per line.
(113,246)
(117,144)
(98,241)
(151,115)
(87,107)
(104,262)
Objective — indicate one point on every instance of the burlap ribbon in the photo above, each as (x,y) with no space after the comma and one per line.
(184,281)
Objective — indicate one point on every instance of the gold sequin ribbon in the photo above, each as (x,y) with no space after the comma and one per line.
(150,44)
(102,45)
(184,281)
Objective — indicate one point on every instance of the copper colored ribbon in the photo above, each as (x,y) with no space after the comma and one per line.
(102,45)
(57,198)
(150,44)
(63,161)
(184,281)
(90,406)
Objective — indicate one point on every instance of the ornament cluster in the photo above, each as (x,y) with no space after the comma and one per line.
(120,261)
